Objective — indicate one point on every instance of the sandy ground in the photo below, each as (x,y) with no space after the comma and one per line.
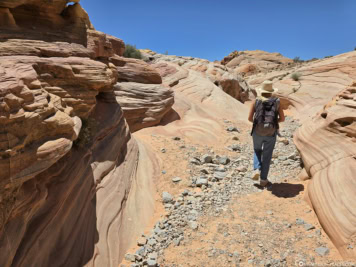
(255,229)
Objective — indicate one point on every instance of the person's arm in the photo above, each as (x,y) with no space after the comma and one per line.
(281,114)
(252,111)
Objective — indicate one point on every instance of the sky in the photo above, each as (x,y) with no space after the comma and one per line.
(212,29)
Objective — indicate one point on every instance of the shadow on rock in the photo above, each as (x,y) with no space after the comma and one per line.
(284,190)
(170,117)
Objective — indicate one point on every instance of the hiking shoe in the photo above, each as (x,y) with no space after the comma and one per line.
(263,183)
(255,175)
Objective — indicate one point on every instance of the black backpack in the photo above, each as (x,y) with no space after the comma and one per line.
(265,121)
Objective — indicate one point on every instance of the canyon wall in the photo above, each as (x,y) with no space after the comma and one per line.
(328,149)
(74,191)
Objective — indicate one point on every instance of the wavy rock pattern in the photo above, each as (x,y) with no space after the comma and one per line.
(328,148)
(319,82)
(173,69)
(198,97)
(70,176)
(144,105)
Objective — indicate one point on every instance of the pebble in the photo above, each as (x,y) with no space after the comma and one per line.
(232,129)
(130,257)
(163,150)
(322,251)
(194,161)
(308,227)
(193,225)
(176,179)
(207,159)
(299,221)
(167,197)
(151,263)
(141,241)
(219,175)
(176,138)
(223,160)
(201,181)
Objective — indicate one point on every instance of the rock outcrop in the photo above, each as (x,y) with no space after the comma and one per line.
(328,149)
(317,82)
(252,62)
(70,175)
(144,105)
(204,94)
(175,68)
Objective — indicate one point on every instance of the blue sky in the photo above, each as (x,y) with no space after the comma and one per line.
(212,29)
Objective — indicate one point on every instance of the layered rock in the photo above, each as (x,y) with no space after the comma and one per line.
(135,70)
(144,105)
(200,103)
(40,20)
(70,175)
(328,149)
(175,68)
(251,62)
(318,82)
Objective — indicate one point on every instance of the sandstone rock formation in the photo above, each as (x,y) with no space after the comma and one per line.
(251,62)
(319,82)
(173,69)
(135,70)
(71,179)
(200,99)
(328,149)
(144,105)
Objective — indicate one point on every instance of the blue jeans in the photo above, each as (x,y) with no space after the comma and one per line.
(263,147)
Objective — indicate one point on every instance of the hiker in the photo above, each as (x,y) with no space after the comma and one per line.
(265,114)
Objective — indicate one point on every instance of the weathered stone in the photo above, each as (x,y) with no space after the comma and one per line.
(322,251)
(167,197)
(144,105)
(207,159)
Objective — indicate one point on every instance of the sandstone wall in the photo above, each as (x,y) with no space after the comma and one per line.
(328,148)
(70,172)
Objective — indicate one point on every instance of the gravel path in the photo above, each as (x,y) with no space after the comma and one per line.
(223,218)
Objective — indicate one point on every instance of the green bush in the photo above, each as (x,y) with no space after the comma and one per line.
(86,134)
(296,76)
(132,52)
(297,60)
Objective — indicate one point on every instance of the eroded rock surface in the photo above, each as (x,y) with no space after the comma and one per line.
(251,62)
(70,176)
(144,105)
(318,82)
(328,149)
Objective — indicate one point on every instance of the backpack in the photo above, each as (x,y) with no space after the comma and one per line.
(265,122)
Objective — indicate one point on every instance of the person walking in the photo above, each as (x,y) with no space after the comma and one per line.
(265,114)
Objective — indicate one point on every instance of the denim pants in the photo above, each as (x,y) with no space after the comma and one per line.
(263,147)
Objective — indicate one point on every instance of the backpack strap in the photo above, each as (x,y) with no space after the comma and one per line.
(257,102)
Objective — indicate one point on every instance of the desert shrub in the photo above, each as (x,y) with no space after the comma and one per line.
(132,52)
(355,48)
(296,76)
(87,132)
(328,56)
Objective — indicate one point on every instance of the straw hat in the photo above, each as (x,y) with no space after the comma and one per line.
(266,87)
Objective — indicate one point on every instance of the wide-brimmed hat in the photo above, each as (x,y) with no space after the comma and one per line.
(266,87)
